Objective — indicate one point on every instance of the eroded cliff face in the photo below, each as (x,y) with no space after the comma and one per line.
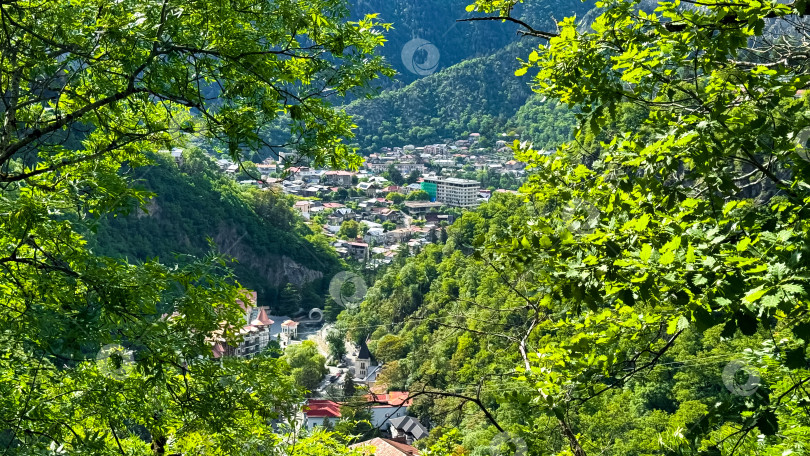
(277,270)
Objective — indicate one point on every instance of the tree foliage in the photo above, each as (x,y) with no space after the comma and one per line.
(307,364)
(622,304)
(418,195)
(89,89)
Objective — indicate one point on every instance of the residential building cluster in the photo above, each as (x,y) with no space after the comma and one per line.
(389,414)
(256,332)
(388,410)
(333,197)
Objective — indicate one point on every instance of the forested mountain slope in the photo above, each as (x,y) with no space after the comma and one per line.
(196,204)
(448,325)
(471,88)
(477,95)
(436,21)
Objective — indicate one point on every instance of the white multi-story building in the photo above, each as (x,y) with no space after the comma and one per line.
(454,192)
(255,332)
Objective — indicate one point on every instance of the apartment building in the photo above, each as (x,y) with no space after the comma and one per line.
(452,191)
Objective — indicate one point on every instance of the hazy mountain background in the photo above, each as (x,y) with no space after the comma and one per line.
(471,87)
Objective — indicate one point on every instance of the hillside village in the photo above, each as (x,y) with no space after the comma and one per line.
(350,382)
(402,198)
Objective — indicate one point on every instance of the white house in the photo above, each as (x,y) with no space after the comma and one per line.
(318,411)
(385,407)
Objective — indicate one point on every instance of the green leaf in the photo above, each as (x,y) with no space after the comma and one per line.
(703,319)
(646,252)
(642,222)
(767,423)
(755,294)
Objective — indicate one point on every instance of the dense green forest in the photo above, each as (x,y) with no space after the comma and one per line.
(112,354)
(446,321)
(478,95)
(647,292)
(196,204)
(436,21)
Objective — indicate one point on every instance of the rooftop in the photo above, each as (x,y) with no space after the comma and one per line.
(320,408)
(410,425)
(454,180)
(385,447)
(418,204)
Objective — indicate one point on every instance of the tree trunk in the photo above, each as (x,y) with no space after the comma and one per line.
(576,448)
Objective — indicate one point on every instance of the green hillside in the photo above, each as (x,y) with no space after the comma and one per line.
(196,205)
(437,22)
(478,95)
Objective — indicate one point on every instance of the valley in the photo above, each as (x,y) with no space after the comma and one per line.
(401,228)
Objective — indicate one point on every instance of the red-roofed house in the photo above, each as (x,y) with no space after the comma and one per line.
(383,407)
(393,189)
(384,447)
(358,250)
(289,331)
(317,411)
(394,404)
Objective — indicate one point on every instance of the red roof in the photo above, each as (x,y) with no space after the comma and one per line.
(252,297)
(333,205)
(262,319)
(393,398)
(385,447)
(320,408)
